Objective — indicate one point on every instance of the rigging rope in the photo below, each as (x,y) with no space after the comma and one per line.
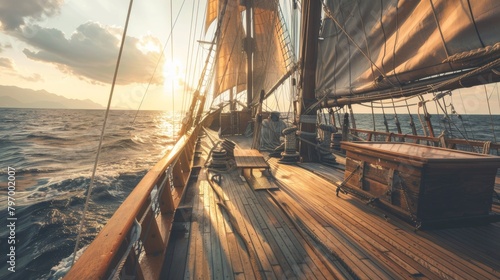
(412,123)
(189,47)
(373,116)
(491,117)
(422,104)
(450,122)
(465,111)
(436,103)
(92,179)
(172,57)
(396,119)
(385,119)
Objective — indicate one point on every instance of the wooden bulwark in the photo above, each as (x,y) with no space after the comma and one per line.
(103,255)
(484,146)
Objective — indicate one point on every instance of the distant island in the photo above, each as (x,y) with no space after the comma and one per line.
(16,97)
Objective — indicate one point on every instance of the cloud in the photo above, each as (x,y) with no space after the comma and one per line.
(91,53)
(16,13)
(5,46)
(7,63)
(8,67)
(33,78)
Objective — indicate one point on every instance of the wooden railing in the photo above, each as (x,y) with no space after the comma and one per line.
(151,204)
(475,145)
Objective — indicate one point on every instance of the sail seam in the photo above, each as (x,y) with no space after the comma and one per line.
(329,14)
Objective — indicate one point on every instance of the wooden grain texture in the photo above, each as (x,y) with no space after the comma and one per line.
(429,183)
(249,158)
(217,249)
(390,244)
(304,231)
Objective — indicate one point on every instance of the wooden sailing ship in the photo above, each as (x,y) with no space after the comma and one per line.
(217,207)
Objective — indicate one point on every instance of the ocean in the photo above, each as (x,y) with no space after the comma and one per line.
(52,153)
(49,154)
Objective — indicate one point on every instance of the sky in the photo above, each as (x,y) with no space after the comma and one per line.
(70,48)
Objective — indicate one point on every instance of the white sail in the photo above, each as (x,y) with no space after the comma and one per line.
(271,54)
(231,60)
(390,46)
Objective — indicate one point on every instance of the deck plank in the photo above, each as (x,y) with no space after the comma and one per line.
(194,228)
(304,262)
(279,244)
(247,268)
(361,237)
(347,214)
(317,235)
(439,259)
(341,249)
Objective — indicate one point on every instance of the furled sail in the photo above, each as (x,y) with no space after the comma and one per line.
(380,49)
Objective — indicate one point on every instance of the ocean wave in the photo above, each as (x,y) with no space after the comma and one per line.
(127,128)
(59,270)
(45,136)
(121,144)
(53,152)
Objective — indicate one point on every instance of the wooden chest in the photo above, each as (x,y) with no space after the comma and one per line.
(426,185)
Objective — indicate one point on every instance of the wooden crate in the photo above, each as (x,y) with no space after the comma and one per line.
(423,184)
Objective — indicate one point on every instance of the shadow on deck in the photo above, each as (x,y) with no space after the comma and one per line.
(303,230)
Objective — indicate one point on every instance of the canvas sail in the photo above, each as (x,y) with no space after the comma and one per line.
(404,47)
(230,60)
(271,53)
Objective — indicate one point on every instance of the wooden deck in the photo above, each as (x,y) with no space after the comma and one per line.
(375,245)
(304,231)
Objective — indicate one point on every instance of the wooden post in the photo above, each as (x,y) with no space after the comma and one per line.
(345,127)
(166,200)
(353,120)
(185,162)
(177,173)
(150,234)
(311,14)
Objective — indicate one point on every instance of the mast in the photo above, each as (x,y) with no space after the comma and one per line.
(311,19)
(249,46)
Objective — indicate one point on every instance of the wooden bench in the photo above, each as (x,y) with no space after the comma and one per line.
(247,160)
